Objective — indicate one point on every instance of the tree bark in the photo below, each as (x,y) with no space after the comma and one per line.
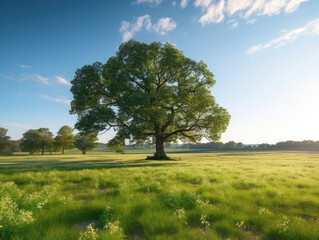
(160,152)
(62,150)
(42,150)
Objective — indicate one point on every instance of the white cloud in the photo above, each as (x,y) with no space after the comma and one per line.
(234,6)
(293,5)
(174,3)
(202,3)
(152,2)
(272,7)
(214,13)
(58,100)
(129,30)
(184,3)
(164,25)
(127,36)
(310,29)
(29,77)
(16,125)
(24,66)
(251,21)
(40,79)
(234,25)
(63,81)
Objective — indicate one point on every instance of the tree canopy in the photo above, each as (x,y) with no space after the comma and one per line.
(64,138)
(4,139)
(148,91)
(85,141)
(37,140)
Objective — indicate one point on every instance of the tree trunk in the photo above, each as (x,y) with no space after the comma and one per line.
(83,152)
(160,153)
(62,150)
(42,150)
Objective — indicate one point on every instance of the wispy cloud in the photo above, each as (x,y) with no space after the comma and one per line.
(24,66)
(184,3)
(129,30)
(151,2)
(164,25)
(202,3)
(233,23)
(40,79)
(58,100)
(29,77)
(16,125)
(216,11)
(62,81)
(310,29)
(293,5)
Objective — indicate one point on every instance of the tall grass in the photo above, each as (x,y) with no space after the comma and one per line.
(199,196)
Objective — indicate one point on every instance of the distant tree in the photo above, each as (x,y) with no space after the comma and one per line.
(64,138)
(148,91)
(230,145)
(115,146)
(37,140)
(46,140)
(85,141)
(240,145)
(4,140)
(264,146)
(30,141)
(14,146)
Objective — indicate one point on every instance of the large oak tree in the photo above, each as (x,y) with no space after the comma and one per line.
(148,91)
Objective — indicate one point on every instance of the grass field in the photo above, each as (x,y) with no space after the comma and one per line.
(224,195)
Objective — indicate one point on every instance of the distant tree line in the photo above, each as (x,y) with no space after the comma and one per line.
(42,140)
(307,145)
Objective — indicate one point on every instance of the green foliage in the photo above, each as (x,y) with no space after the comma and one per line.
(14,146)
(107,216)
(30,141)
(37,140)
(4,140)
(85,141)
(148,92)
(64,138)
(116,145)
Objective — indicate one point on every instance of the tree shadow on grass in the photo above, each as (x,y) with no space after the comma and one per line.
(45,165)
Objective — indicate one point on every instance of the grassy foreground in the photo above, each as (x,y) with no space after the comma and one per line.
(234,195)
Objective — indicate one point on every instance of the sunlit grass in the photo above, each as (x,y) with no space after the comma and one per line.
(235,195)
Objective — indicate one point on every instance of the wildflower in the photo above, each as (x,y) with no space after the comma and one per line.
(203,221)
(89,233)
(113,227)
(283,226)
(264,211)
(241,225)
(180,214)
(203,203)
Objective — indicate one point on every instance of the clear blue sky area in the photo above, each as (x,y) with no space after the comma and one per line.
(264,54)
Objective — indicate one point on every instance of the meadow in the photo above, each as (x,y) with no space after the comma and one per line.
(221,195)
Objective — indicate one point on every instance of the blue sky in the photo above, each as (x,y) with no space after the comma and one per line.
(264,54)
